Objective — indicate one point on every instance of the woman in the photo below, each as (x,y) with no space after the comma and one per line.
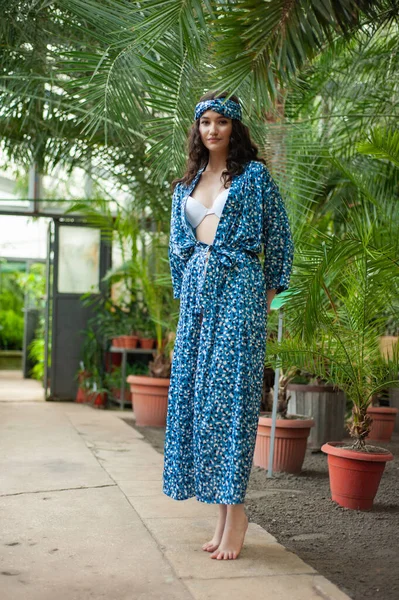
(223,209)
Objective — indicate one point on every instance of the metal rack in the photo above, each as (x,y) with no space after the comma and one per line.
(125,352)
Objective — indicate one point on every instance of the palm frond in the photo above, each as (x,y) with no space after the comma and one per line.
(383,144)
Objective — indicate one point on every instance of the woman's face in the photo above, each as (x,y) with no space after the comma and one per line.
(215,130)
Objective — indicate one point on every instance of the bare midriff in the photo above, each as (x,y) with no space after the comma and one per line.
(206,232)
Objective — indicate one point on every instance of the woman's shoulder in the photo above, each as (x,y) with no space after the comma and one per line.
(256,171)
(178,188)
(256,166)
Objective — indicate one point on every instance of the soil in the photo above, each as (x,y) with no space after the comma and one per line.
(356,550)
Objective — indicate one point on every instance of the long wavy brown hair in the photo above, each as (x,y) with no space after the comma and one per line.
(241,148)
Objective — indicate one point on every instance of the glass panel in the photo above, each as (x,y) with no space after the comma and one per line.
(55,207)
(79,260)
(22,237)
(15,206)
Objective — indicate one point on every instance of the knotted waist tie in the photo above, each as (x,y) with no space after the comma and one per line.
(212,273)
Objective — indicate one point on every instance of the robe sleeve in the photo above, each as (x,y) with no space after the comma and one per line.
(277,236)
(176,262)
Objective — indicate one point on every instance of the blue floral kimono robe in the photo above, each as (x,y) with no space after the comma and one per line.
(218,360)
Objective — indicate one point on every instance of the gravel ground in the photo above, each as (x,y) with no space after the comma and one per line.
(358,551)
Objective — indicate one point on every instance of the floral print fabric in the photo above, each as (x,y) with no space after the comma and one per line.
(217,368)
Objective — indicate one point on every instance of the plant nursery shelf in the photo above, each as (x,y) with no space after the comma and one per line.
(125,352)
(131,350)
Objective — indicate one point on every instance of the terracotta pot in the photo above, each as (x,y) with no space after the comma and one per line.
(130,341)
(354,476)
(383,423)
(80,395)
(289,446)
(147,343)
(150,399)
(97,399)
(118,342)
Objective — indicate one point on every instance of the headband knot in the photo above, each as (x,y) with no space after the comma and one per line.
(229,108)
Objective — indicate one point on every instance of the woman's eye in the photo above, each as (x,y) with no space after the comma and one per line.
(220,122)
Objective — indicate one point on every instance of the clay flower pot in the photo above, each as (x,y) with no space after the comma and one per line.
(130,341)
(81,395)
(289,446)
(147,343)
(118,342)
(150,399)
(354,475)
(97,399)
(383,423)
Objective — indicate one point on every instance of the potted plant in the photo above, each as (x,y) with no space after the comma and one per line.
(83,378)
(384,417)
(146,332)
(113,382)
(111,320)
(97,394)
(292,431)
(130,322)
(335,335)
(118,341)
(326,404)
(150,392)
(355,469)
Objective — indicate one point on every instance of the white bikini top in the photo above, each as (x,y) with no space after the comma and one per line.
(196,211)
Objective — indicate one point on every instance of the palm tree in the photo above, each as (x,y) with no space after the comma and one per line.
(154,60)
(41,121)
(130,73)
(343,288)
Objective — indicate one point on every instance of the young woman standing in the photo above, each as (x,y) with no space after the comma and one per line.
(224,208)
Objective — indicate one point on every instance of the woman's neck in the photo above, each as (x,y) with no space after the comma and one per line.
(216,164)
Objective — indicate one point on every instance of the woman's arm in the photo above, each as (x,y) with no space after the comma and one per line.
(270,296)
(278,243)
(177,262)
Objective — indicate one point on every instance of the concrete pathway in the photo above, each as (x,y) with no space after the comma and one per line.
(83,516)
(14,388)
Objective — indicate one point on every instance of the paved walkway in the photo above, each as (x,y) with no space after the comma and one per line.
(83,516)
(14,388)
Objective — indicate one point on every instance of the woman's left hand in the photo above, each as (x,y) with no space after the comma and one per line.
(270,296)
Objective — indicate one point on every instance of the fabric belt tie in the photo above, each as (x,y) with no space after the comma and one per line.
(212,277)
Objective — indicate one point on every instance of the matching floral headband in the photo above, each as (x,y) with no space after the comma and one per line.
(228,108)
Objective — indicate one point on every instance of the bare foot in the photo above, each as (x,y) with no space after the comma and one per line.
(215,541)
(234,533)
